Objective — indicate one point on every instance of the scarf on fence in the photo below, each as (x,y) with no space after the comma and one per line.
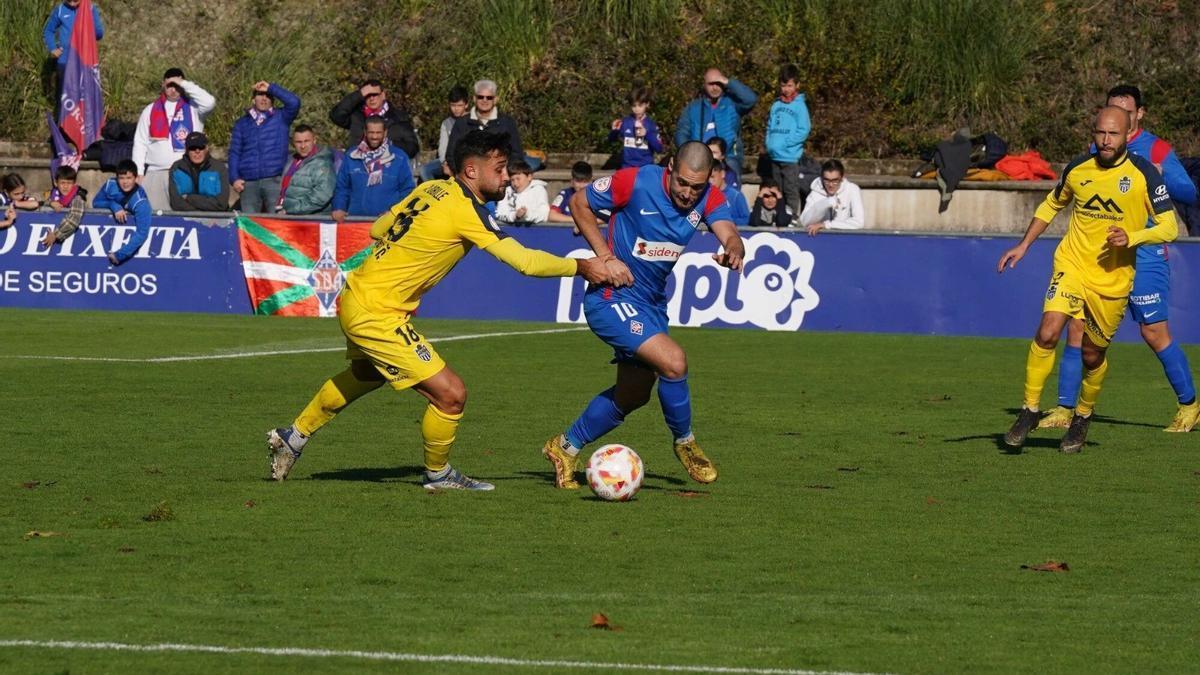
(381,111)
(179,126)
(375,161)
(258,116)
(56,195)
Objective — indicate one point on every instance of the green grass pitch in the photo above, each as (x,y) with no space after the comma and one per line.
(865,519)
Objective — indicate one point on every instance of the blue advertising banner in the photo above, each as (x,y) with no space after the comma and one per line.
(184,266)
(932,285)
(863,282)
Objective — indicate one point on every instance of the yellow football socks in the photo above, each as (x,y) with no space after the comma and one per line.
(1090,390)
(437,433)
(1037,369)
(338,392)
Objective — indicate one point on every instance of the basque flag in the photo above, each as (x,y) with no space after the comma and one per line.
(81,111)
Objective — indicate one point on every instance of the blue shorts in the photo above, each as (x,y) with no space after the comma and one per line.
(623,324)
(1151,291)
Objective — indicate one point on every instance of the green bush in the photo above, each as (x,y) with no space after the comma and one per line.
(883,77)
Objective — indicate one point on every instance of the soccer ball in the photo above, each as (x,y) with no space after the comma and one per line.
(615,473)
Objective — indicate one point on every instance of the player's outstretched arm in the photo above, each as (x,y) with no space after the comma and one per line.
(589,227)
(536,263)
(1013,255)
(735,251)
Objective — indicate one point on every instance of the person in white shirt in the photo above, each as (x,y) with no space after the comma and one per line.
(525,201)
(162,132)
(834,202)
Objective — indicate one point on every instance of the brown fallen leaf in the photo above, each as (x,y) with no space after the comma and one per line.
(931,501)
(689,494)
(601,622)
(1048,566)
(249,504)
(31,484)
(38,534)
(127,549)
(819,487)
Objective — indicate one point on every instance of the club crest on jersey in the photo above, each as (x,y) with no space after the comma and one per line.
(694,218)
(602,184)
(423,353)
(656,251)
(636,327)
(1124,184)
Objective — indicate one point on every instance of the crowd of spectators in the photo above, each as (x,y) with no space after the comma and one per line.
(374,166)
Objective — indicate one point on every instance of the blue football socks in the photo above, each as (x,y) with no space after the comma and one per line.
(600,417)
(1070,375)
(676,405)
(1179,372)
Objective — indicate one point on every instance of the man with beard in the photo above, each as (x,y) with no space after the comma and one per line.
(1113,194)
(418,242)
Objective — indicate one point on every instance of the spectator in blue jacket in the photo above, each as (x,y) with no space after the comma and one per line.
(637,132)
(374,176)
(57,35)
(787,132)
(199,182)
(124,197)
(258,150)
(717,111)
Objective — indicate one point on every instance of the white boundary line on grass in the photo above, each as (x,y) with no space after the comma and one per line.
(401,656)
(277,352)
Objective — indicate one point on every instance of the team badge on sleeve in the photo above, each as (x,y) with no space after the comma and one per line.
(602,184)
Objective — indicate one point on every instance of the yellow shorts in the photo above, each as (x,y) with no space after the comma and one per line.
(1101,314)
(393,346)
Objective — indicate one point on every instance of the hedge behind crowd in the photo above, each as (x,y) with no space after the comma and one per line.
(884,78)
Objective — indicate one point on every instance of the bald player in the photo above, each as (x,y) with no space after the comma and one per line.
(655,213)
(1113,195)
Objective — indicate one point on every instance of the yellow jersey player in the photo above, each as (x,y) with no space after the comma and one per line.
(417,242)
(1113,194)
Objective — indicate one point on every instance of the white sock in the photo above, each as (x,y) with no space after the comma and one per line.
(569,449)
(438,475)
(690,437)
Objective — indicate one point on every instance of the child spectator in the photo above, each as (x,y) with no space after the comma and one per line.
(733,178)
(66,194)
(14,193)
(124,197)
(737,201)
(769,209)
(637,132)
(560,208)
(13,196)
(525,201)
(65,190)
(458,107)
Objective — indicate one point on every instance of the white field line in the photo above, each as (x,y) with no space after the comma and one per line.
(276,352)
(401,656)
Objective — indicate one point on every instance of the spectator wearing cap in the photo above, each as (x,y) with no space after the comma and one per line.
(57,36)
(199,182)
(373,177)
(162,132)
(370,100)
(311,175)
(258,149)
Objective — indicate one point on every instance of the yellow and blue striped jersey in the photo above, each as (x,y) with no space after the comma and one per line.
(1125,195)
